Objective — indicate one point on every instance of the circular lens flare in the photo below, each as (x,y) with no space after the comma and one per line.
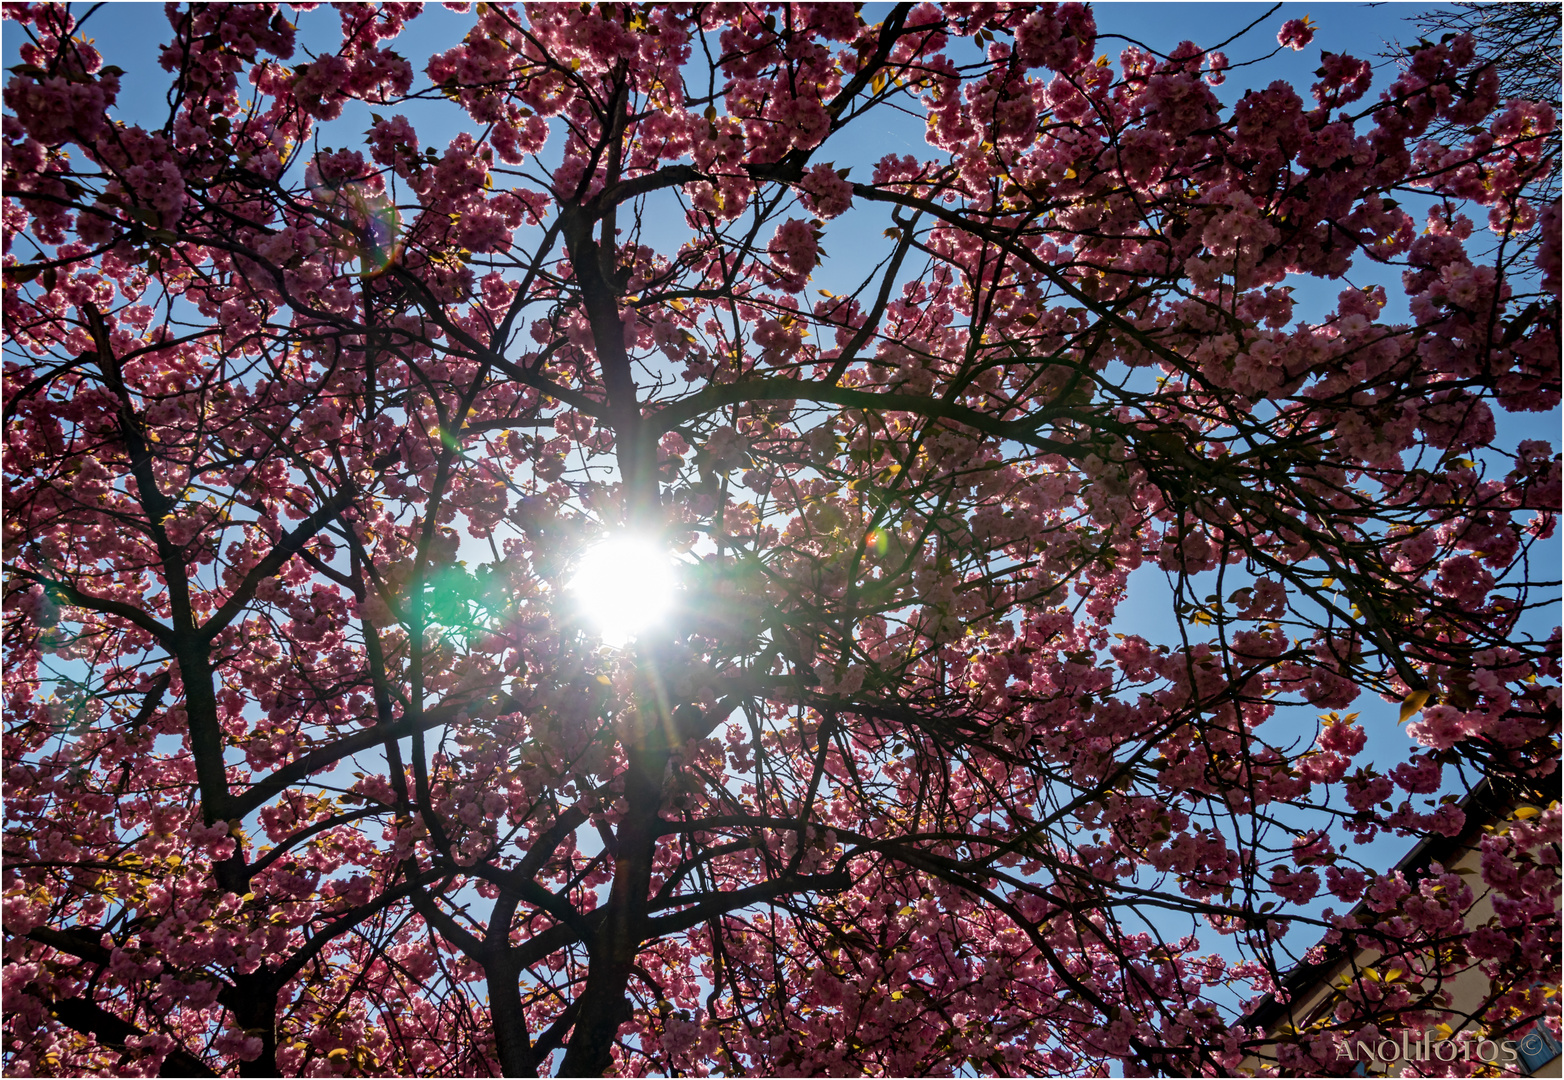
(379,238)
(369,223)
(623,587)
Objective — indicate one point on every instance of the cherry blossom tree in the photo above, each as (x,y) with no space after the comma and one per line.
(1520,40)
(314,764)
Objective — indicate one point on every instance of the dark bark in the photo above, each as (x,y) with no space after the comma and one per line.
(603,1004)
(512,1041)
(89,1018)
(254,1008)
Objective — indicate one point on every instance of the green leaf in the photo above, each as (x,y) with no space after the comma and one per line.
(1412,704)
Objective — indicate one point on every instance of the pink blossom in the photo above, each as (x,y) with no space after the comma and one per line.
(826,192)
(794,251)
(1295,34)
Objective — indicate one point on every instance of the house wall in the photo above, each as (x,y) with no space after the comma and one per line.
(1315,997)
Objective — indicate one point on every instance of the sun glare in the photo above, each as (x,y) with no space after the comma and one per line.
(623,587)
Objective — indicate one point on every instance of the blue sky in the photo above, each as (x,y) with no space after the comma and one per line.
(130,32)
(130,35)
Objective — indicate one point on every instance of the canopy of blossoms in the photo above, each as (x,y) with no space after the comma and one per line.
(316,763)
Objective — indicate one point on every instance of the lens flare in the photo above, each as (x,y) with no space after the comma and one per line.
(877,541)
(380,241)
(623,587)
(369,224)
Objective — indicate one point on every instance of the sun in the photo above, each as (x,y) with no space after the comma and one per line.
(623,587)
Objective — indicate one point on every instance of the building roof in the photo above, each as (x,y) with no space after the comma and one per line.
(1481,805)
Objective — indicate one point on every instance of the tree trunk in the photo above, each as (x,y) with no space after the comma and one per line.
(255,1010)
(511,1039)
(604,1005)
